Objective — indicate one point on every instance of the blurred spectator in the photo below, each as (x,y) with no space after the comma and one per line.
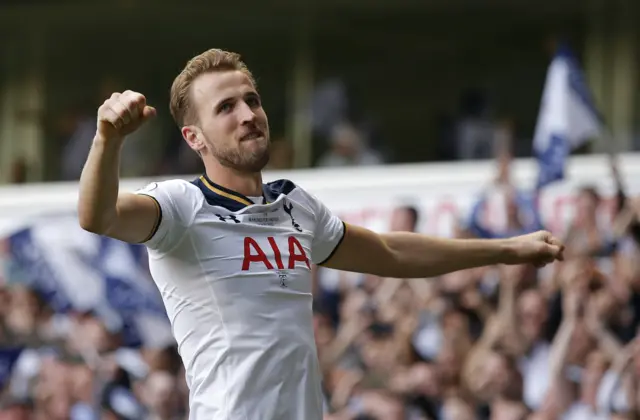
(281,155)
(348,148)
(475,131)
(329,106)
(19,172)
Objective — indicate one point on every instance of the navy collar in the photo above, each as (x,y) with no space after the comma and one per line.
(217,195)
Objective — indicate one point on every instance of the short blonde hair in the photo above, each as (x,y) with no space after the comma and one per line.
(209,61)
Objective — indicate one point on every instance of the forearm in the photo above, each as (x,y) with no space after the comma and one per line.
(558,362)
(560,349)
(99,186)
(507,312)
(417,255)
(623,221)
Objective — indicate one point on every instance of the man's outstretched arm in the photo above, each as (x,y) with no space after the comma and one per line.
(101,208)
(411,255)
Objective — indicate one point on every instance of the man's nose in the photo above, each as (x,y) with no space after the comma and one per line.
(246,114)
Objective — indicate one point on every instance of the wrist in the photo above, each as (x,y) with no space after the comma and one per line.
(108,143)
(506,251)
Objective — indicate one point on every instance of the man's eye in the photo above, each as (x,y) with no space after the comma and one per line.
(253,102)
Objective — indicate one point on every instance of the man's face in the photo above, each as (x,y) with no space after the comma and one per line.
(532,315)
(586,207)
(232,126)
(402,220)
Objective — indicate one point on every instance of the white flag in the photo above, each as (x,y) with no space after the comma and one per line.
(567,119)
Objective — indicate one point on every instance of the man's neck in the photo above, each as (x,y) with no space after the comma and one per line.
(248,184)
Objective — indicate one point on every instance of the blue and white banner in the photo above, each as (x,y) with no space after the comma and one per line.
(76,270)
(8,358)
(567,119)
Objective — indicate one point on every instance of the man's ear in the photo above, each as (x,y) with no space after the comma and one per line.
(194,137)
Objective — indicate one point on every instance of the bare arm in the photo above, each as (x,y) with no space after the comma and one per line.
(559,384)
(101,209)
(410,255)
(472,370)
(510,279)
(623,221)
(608,343)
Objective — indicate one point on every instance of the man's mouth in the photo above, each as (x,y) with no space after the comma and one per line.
(252,135)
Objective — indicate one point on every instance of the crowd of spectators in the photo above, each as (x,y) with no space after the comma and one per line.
(500,342)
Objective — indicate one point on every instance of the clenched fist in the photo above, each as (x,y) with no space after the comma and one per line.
(122,114)
(539,248)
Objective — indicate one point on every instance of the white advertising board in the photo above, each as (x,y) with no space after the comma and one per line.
(442,193)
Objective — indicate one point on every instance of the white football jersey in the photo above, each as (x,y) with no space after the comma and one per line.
(235,278)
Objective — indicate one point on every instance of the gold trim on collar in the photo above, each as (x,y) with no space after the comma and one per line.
(224,193)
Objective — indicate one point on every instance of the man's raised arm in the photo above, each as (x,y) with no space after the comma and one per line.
(411,255)
(101,209)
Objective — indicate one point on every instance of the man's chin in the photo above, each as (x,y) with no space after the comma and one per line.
(256,163)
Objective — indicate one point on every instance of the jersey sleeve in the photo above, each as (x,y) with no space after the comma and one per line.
(328,234)
(177,207)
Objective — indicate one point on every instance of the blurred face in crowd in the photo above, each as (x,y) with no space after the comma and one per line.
(451,359)
(512,209)
(425,380)
(25,300)
(370,283)
(52,391)
(586,206)
(500,378)
(377,350)
(23,310)
(81,383)
(90,333)
(403,220)
(404,298)
(455,324)
(457,409)
(354,305)
(532,315)
(159,393)
(52,378)
(232,125)
(346,141)
(496,373)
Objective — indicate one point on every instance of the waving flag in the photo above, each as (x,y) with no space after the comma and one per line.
(567,119)
(8,358)
(76,270)
(36,270)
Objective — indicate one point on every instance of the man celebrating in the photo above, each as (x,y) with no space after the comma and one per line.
(232,256)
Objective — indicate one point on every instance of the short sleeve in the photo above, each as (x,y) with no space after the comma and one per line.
(328,234)
(177,205)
